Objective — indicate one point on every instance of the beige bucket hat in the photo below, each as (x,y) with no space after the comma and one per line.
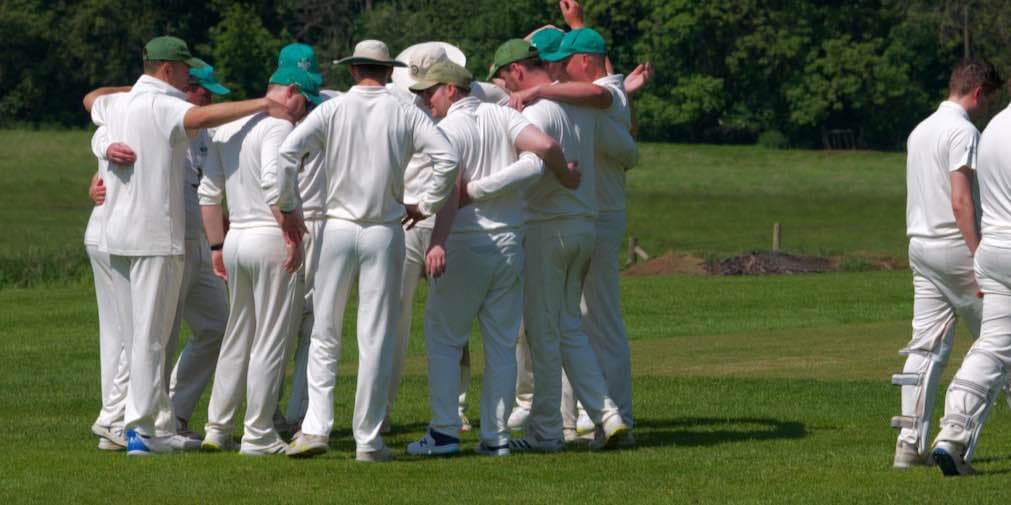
(370,52)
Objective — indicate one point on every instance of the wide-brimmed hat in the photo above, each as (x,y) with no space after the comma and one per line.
(420,57)
(370,52)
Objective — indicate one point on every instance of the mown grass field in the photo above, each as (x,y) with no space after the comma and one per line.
(748,390)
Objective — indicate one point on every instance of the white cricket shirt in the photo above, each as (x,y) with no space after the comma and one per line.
(484,136)
(994,173)
(243,164)
(939,145)
(610,172)
(145,210)
(368,138)
(312,177)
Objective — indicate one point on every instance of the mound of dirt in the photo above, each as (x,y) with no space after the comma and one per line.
(768,263)
(668,264)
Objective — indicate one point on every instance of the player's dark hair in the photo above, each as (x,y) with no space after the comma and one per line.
(971,73)
(376,72)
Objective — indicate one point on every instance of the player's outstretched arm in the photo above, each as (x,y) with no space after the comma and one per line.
(585,94)
(218,114)
(90,98)
(573,13)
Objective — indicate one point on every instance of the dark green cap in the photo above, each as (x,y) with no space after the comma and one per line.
(547,41)
(301,56)
(170,49)
(204,76)
(581,41)
(510,52)
(303,80)
(444,72)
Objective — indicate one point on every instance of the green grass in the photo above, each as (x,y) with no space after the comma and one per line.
(734,405)
(705,200)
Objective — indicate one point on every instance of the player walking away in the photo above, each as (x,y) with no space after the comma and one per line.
(941,225)
(418,59)
(977,383)
(559,240)
(368,137)
(477,271)
(203,302)
(259,260)
(144,227)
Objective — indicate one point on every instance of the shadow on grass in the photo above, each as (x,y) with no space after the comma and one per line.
(707,431)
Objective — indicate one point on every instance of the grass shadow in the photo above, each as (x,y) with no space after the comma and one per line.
(709,431)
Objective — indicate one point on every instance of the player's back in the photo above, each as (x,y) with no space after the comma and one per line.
(574,129)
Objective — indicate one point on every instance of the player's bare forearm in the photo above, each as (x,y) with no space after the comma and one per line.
(90,98)
(546,148)
(585,94)
(963,208)
(218,114)
(214,223)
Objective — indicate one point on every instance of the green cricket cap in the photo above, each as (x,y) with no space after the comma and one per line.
(204,76)
(301,56)
(510,52)
(167,48)
(547,42)
(444,72)
(581,41)
(286,76)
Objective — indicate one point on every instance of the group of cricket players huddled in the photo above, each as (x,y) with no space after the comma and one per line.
(507,196)
(958,218)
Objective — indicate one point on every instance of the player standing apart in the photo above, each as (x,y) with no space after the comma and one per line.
(941,224)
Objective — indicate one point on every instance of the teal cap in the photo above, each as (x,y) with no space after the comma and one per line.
(286,76)
(300,56)
(204,76)
(580,41)
(547,41)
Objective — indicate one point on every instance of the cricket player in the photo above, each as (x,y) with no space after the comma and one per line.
(368,137)
(418,59)
(144,227)
(203,302)
(477,271)
(941,225)
(559,240)
(258,262)
(983,372)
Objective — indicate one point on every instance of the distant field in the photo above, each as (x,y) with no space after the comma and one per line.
(704,200)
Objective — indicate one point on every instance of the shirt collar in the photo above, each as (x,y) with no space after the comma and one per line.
(952,106)
(465,104)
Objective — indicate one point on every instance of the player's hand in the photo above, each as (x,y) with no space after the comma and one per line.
(279,110)
(97,191)
(572,12)
(293,227)
(435,261)
(465,198)
(120,154)
(638,78)
(218,265)
(520,99)
(572,177)
(294,259)
(413,216)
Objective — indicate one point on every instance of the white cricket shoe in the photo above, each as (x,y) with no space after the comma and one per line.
(533,443)
(139,445)
(518,418)
(950,458)
(434,444)
(217,442)
(383,455)
(906,456)
(278,447)
(610,434)
(112,435)
(106,445)
(307,446)
(584,426)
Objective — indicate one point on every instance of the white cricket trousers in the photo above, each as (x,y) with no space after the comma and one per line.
(113,360)
(524,372)
(260,296)
(303,319)
(146,289)
(601,309)
(983,372)
(557,257)
(416,242)
(943,286)
(203,304)
(372,254)
(483,280)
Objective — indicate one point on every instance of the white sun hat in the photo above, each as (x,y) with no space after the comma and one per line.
(420,57)
(370,52)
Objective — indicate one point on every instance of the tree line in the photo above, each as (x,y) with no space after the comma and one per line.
(805,73)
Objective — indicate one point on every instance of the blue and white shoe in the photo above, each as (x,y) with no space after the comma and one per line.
(434,444)
(135,445)
(950,458)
